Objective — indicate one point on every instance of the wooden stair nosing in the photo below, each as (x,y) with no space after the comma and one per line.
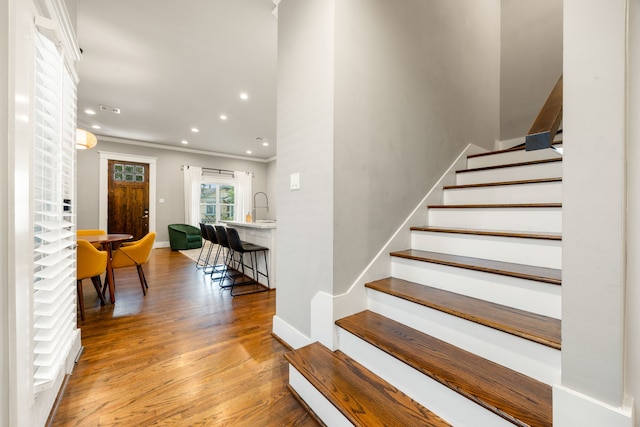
(515,234)
(498,206)
(520,147)
(361,396)
(539,274)
(510,165)
(516,397)
(503,183)
(530,326)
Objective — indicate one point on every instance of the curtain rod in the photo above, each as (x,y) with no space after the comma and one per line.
(220,171)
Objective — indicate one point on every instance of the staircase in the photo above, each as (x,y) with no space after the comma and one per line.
(466,332)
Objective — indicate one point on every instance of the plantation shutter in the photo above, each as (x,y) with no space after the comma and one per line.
(54,275)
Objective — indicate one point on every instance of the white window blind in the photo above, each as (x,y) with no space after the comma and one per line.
(54,276)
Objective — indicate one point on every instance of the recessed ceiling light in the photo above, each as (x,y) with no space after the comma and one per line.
(185,142)
(96,127)
(249,151)
(89,111)
(195,130)
(265,144)
(244,95)
(223,117)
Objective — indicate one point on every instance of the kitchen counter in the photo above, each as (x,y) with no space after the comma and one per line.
(258,224)
(263,234)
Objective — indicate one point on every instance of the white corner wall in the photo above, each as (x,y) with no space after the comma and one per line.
(531,61)
(594,376)
(4,212)
(415,82)
(632,386)
(375,100)
(305,147)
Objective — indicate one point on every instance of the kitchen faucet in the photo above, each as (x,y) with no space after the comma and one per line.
(260,207)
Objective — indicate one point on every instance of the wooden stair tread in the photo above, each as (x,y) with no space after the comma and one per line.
(362,397)
(518,234)
(541,274)
(534,327)
(497,206)
(503,183)
(520,399)
(520,147)
(509,165)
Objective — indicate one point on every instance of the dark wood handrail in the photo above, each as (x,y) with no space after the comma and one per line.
(546,125)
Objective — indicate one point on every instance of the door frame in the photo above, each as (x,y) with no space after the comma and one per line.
(103,205)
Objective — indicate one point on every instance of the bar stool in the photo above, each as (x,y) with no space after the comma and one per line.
(228,272)
(240,247)
(201,262)
(213,238)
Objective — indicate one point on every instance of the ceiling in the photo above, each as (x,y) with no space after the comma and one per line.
(171,65)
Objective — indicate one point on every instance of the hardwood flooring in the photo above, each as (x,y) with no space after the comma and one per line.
(186,354)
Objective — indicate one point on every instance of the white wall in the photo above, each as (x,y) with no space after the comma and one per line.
(531,61)
(272,179)
(594,215)
(305,146)
(415,82)
(632,386)
(4,211)
(412,84)
(169,180)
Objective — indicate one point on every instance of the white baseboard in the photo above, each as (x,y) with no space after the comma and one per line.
(571,409)
(289,334)
(508,143)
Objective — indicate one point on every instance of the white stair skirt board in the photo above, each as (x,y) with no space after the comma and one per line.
(511,157)
(548,219)
(528,295)
(536,252)
(539,192)
(446,403)
(515,173)
(529,358)
(316,401)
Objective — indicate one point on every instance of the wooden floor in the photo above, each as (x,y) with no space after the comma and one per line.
(187,354)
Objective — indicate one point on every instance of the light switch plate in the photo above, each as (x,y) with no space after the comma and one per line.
(294,181)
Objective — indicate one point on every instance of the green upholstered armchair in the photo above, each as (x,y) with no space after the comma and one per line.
(184,236)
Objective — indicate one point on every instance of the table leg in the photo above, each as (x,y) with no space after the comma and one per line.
(110,281)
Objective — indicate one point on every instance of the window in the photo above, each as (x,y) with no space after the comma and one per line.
(217,200)
(54,275)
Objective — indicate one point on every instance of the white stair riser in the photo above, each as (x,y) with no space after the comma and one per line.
(521,219)
(511,157)
(516,173)
(528,295)
(547,192)
(532,359)
(439,399)
(537,252)
(324,409)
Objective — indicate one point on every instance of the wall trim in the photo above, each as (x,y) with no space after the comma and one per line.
(290,335)
(571,408)
(182,149)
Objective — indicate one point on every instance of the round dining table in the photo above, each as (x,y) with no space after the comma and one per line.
(107,240)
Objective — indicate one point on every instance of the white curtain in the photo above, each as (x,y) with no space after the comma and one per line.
(243,194)
(192,181)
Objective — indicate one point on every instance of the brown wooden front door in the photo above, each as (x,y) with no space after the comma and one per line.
(128,206)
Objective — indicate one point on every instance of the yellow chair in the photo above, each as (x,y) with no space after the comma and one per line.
(135,253)
(81,233)
(91,263)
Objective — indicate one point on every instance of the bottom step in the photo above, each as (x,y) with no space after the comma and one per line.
(362,397)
